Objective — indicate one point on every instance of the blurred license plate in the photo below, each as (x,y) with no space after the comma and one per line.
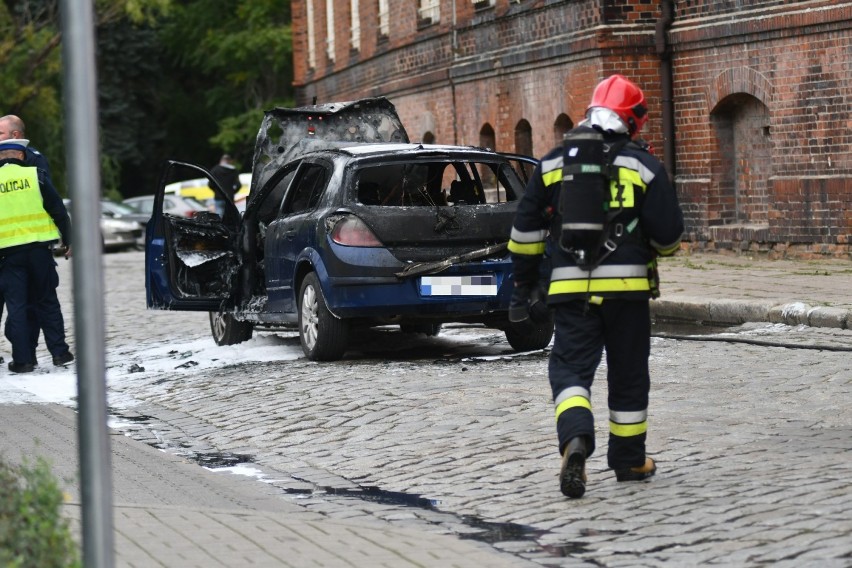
(485,285)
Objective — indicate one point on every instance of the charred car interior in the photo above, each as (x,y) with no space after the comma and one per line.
(434,184)
(347,225)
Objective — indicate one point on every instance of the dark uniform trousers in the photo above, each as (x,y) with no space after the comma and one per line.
(583,330)
(28,277)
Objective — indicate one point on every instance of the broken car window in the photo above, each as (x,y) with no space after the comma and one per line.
(307,189)
(437,183)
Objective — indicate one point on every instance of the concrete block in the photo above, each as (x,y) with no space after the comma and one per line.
(829,317)
(795,313)
(690,311)
(737,312)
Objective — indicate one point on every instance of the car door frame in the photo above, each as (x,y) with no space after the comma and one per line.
(294,227)
(164,267)
(525,173)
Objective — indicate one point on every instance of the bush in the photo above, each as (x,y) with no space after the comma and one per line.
(32,531)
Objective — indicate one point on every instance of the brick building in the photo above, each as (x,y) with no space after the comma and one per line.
(750,102)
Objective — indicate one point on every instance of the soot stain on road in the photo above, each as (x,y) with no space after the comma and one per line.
(484,531)
(493,533)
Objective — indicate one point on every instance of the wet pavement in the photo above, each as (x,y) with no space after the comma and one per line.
(450,442)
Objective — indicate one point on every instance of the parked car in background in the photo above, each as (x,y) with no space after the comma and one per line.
(121,212)
(172,204)
(347,225)
(199,189)
(118,210)
(117,232)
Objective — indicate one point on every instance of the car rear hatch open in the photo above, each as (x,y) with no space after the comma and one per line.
(287,133)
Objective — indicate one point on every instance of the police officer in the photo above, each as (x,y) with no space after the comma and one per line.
(13,127)
(33,217)
(603,306)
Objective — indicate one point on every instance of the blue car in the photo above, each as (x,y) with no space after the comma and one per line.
(347,225)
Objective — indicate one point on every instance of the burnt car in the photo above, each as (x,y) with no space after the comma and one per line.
(347,225)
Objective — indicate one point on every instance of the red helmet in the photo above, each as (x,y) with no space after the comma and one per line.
(622,96)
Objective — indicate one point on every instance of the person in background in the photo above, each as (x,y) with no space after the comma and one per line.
(12,127)
(228,177)
(34,218)
(604,306)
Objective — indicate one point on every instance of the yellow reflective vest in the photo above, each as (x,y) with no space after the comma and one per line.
(23,219)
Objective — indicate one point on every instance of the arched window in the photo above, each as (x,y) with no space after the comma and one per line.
(487,139)
(523,138)
(742,163)
(561,125)
(428,138)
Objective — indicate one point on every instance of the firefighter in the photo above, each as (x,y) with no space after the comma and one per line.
(606,304)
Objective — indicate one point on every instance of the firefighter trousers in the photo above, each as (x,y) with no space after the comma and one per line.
(583,331)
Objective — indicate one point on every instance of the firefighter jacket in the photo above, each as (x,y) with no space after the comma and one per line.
(31,211)
(650,219)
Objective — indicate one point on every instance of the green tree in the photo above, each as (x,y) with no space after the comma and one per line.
(183,80)
(244,52)
(29,70)
(132,107)
(31,65)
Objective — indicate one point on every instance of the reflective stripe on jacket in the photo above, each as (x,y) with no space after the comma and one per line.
(605,278)
(23,218)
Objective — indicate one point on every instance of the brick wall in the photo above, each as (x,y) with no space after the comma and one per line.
(788,158)
(762,93)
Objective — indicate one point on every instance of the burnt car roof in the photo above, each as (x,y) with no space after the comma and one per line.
(287,133)
(365,149)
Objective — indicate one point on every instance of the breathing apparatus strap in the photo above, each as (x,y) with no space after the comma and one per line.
(607,244)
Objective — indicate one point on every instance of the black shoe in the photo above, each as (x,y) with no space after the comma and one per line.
(62,360)
(2,360)
(572,476)
(638,473)
(21,367)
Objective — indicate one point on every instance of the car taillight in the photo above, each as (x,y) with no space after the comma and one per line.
(353,232)
(191,213)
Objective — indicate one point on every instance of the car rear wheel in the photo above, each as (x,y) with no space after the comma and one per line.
(529,335)
(323,336)
(228,331)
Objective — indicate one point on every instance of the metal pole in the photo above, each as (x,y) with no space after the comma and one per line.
(82,157)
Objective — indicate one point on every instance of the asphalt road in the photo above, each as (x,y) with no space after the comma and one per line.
(455,434)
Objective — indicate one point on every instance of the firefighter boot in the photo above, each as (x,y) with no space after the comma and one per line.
(637,473)
(572,476)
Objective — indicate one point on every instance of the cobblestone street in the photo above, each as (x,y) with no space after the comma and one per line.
(456,434)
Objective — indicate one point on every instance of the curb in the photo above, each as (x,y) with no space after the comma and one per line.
(736,312)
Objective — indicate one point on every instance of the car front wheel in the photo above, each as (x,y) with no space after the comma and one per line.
(228,331)
(323,336)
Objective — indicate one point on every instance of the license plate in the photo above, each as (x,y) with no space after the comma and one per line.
(484,285)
